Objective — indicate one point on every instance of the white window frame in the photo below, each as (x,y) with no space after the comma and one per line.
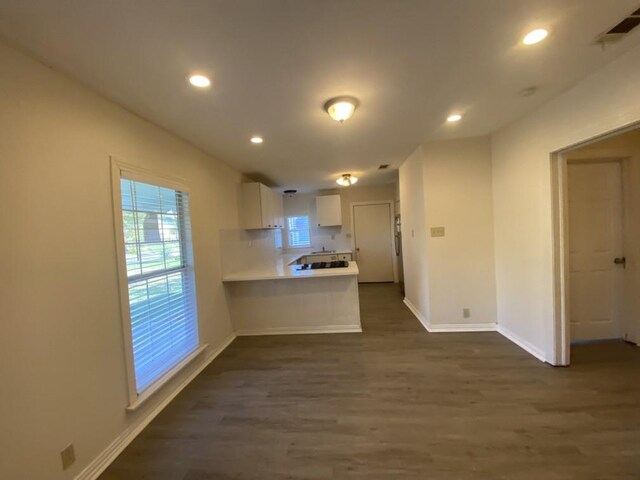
(288,231)
(120,169)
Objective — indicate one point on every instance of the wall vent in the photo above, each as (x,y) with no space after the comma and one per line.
(383,167)
(619,31)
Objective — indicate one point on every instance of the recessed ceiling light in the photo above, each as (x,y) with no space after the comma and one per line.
(256,140)
(535,36)
(199,81)
(456,117)
(346,180)
(341,108)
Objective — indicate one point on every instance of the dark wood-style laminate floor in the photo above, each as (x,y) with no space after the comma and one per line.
(396,403)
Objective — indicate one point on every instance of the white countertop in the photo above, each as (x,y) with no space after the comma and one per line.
(279,268)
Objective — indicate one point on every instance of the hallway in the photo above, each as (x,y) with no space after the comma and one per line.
(396,402)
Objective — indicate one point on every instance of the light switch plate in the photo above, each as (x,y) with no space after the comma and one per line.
(437,231)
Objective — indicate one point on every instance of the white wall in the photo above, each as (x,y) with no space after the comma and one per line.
(448,184)
(458,196)
(627,148)
(62,363)
(305,204)
(608,99)
(414,235)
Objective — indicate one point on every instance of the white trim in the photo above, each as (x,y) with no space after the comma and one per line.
(301,330)
(417,314)
(115,448)
(354,254)
(450,327)
(119,170)
(123,284)
(145,175)
(528,347)
(463,327)
(558,343)
(160,382)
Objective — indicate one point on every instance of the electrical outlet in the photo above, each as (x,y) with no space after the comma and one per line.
(333,237)
(466,313)
(68,456)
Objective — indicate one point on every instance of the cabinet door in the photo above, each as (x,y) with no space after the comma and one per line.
(278,210)
(321,258)
(328,211)
(250,206)
(266,207)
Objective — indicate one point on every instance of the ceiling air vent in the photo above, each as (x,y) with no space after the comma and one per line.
(621,29)
(383,167)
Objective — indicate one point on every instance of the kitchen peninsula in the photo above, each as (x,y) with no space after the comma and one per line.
(269,293)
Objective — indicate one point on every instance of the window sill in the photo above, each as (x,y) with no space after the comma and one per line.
(158,384)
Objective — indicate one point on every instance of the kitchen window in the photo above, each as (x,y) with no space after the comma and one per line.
(298,231)
(156,263)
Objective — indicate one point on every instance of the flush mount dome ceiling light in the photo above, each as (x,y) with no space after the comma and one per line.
(341,108)
(346,180)
(535,36)
(456,117)
(199,81)
(257,139)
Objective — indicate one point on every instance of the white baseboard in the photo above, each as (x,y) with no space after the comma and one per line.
(532,349)
(417,314)
(450,327)
(301,330)
(464,327)
(109,454)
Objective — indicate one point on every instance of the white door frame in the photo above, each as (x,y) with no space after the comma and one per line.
(561,341)
(392,249)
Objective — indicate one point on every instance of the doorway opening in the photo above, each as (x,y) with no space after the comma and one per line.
(596,207)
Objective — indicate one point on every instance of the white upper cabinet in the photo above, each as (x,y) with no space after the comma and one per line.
(260,207)
(328,211)
(278,209)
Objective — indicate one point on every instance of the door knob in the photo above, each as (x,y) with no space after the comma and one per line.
(620,261)
(357,249)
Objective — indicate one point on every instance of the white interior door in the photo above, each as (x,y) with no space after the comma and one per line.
(372,238)
(595,240)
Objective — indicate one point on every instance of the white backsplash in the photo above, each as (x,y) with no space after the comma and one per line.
(242,248)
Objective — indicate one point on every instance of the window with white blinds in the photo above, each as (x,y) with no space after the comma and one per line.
(161,286)
(298,231)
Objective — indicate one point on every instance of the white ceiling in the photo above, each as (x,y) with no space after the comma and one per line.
(274,63)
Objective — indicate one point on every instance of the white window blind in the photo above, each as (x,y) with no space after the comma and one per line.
(298,231)
(159,261)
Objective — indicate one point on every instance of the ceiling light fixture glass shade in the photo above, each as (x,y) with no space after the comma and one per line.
(456,117)
(346,180)
(535,36)
(199,81)
(256,140)
(341,108)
